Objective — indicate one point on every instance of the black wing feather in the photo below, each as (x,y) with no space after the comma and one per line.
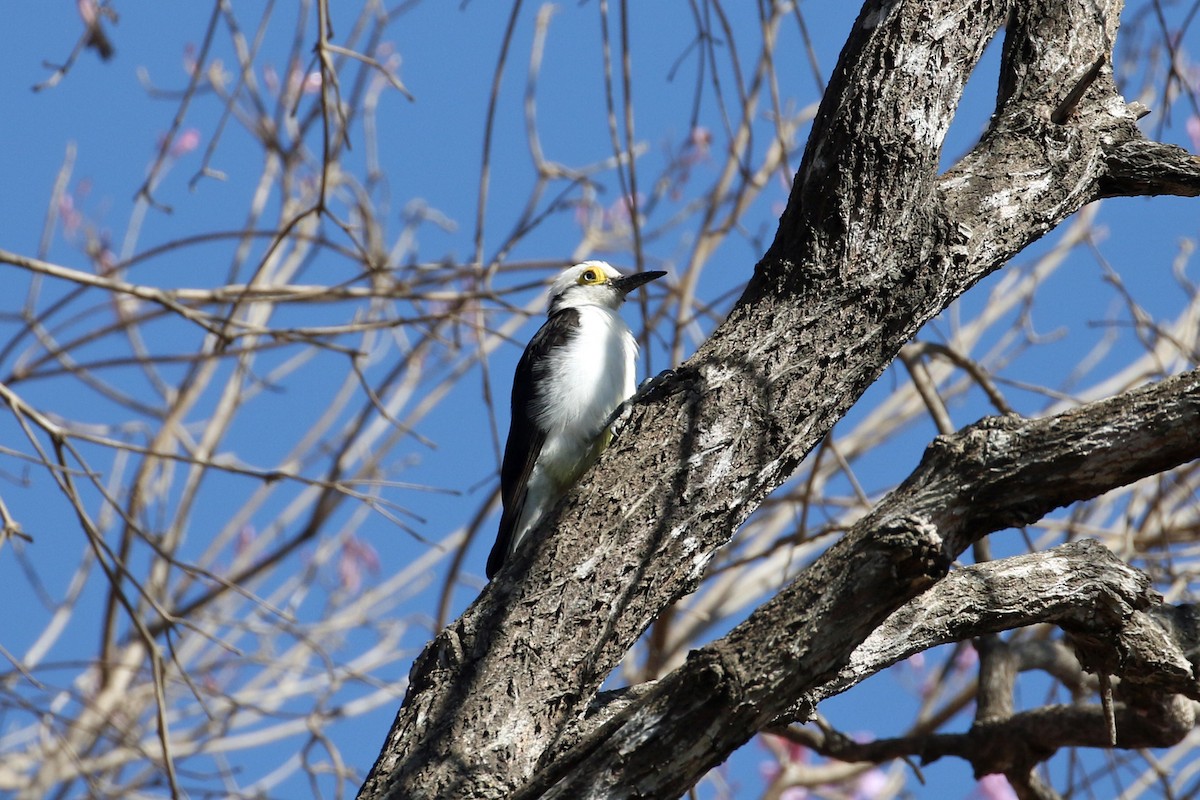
(525,436)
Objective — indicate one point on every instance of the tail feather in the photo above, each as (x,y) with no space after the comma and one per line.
(506,536)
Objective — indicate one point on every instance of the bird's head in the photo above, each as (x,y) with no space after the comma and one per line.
(595,283)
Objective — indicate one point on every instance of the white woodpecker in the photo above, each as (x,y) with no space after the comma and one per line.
(576,370)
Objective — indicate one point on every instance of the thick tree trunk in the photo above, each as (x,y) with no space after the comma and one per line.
(874,242)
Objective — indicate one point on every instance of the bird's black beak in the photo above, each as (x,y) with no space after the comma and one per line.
(627,283)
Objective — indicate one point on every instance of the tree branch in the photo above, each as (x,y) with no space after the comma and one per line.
(997,473)
(1148,168)
(873,244)
(1022,740)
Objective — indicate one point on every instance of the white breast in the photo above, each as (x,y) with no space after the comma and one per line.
(582,385)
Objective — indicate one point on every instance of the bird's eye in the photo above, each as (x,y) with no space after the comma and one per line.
(589,276)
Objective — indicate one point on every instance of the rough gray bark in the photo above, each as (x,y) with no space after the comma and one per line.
(874,242)
(793,651)
(1114,620)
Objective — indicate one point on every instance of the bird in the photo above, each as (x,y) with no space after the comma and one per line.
(575,371)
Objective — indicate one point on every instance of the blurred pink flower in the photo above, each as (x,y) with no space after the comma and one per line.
(185,143)
(356,557)
(966,658)
(106,259)
(620,213)
(189,59)
(87,11)
(1193,129)
(245,539)
(695,150)
(871,784)
(583,214)
(994,787)
(312,83)
(698,144)
(302,82)
(793,752)
(70,216)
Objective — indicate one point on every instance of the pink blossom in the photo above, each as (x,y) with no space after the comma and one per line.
(698,144)
(792,751)
(356,556)
(871,784)
(87,11)
(71,218)
(620,213)
(106,259)
(303,82)
(966,658)
(185,143)
(312,83)
(189,59)
(995,787)
(583,215)
(1193,129)
(245,539)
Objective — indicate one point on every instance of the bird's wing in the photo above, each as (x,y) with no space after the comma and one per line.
(525,435)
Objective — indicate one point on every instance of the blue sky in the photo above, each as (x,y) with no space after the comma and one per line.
(430,152)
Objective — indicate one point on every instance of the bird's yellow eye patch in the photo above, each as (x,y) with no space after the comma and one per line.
(591,277)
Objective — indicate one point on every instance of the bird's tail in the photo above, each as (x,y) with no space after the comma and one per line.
(505,538)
